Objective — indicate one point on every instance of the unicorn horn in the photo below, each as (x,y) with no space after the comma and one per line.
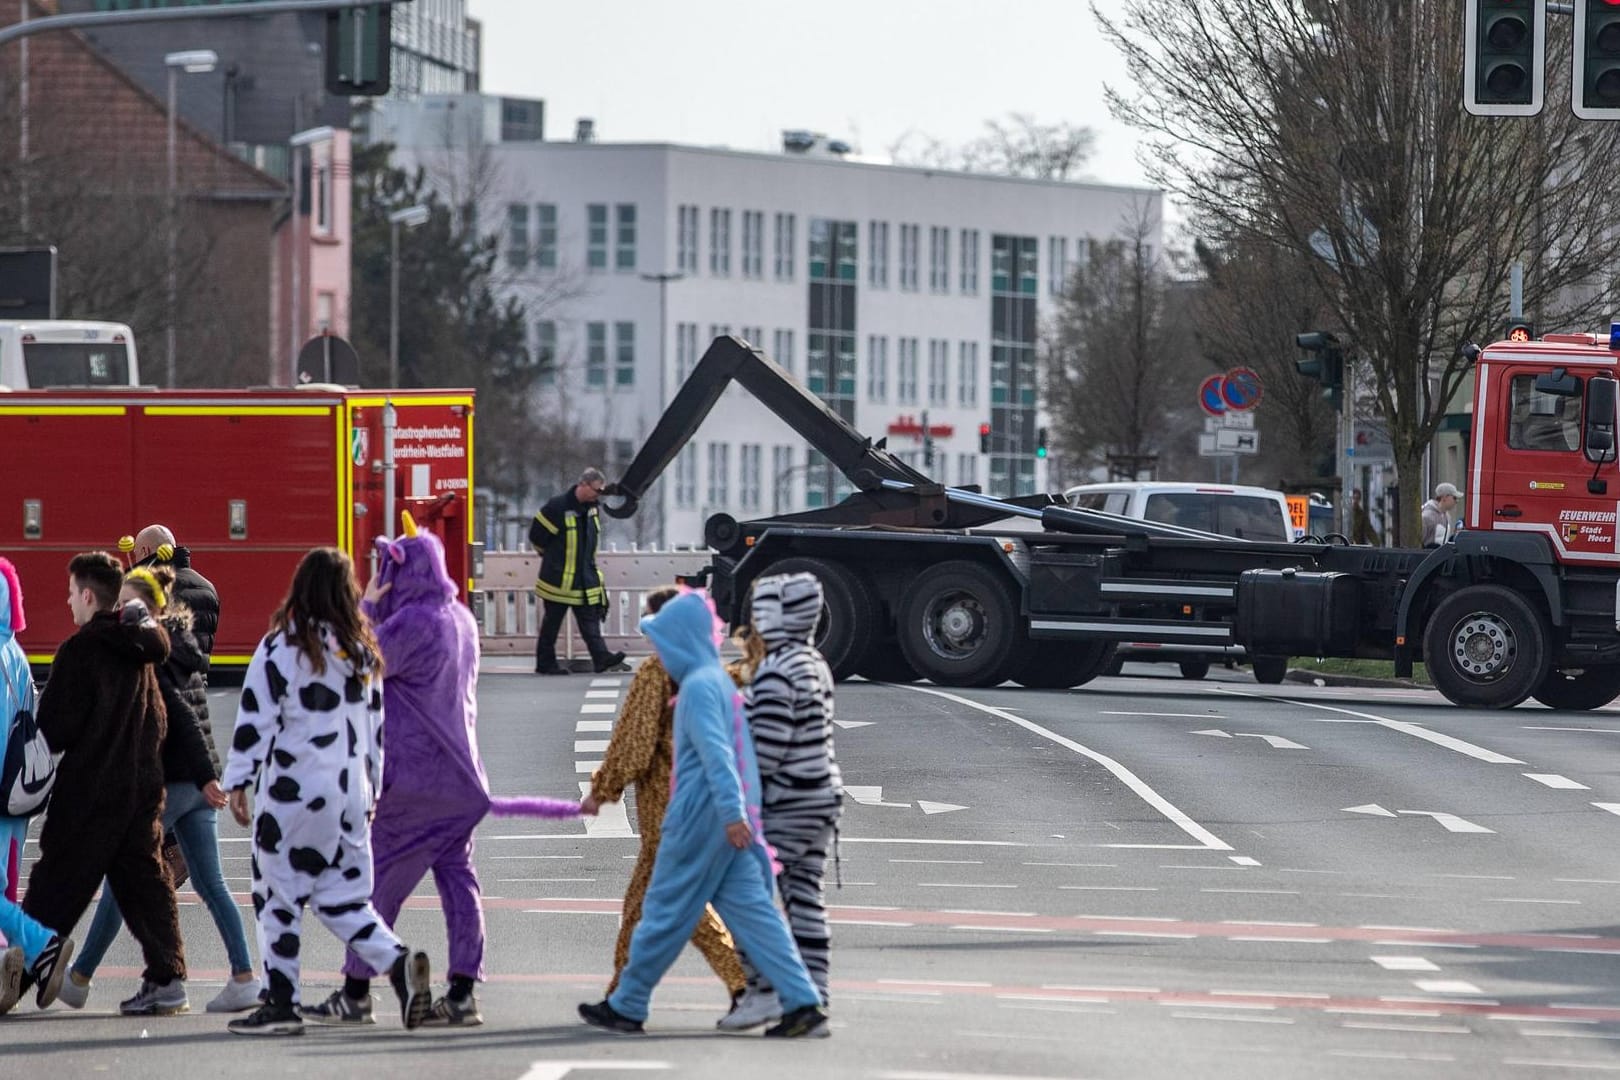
(408,522)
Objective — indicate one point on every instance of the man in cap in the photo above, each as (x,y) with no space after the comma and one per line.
(1437,515)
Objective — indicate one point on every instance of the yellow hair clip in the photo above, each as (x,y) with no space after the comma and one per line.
(150,578)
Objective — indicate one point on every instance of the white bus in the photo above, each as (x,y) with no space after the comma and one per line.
(38,354)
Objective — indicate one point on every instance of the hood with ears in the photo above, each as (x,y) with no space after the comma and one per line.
(683,632)
(786,608)
(12,621)
(414,565)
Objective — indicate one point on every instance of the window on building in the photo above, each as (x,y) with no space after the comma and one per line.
(686,477)
(939,371)
(970,261)
(323,198)
(720,242)
(545,352)
(1057,264)
(685,350)
(942,468)
(939,258)
(719,496)
(624,354)
(686,239)
(877,367)
(596,239)
(753,244)
(753,335)
(782,478)
(905,383)
(908,256)
(517,235)
(749,475)
(325,304)
(596,373)
(967,373)
(967,470)
(624,451)
(624,238)
(782,349)
(877,244)
(545,236)
(717,330)
(786,246)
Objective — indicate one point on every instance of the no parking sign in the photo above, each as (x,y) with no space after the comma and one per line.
(1210,397)
(1241,389)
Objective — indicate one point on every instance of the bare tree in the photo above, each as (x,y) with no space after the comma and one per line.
(1016,146)
(1119,383)
(1334,131)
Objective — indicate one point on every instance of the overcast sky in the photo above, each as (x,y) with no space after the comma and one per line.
(737,72)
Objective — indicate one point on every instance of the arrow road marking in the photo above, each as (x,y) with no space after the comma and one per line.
(1276,742)
(556,1070)
(847,724)
(937,807)
(871,796)
(1451,822)
(1370,808)
(1553,780)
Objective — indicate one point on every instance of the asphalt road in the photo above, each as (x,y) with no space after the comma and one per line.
(1146,877)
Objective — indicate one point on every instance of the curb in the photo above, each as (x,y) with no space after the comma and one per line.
(1323,678)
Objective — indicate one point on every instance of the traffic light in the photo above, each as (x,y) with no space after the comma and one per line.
(1040,442)
(1505,54)
(984,438)
(1325,363)
(359,43)
(1518,330)
(1595,86)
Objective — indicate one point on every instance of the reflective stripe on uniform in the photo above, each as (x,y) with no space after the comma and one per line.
(571,550)
(546,523)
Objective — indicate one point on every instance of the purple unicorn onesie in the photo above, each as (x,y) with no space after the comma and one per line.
(434,792)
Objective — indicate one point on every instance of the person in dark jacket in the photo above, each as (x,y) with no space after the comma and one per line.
(103,711)
(155,546)
(565,533)
(192,795)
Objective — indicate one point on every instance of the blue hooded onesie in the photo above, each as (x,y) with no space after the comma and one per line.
(716,783)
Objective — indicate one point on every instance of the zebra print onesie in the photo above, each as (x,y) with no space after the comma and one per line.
(790,711)
(311,744)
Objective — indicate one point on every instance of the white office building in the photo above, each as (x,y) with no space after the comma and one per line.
(893,293)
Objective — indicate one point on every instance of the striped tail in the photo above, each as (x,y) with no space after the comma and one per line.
(526,806)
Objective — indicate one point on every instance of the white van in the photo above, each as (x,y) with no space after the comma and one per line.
(1245,513)
(42,353)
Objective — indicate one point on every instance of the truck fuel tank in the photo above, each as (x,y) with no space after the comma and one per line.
(1298,612)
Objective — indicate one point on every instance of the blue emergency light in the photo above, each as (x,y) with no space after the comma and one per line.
(1614,335)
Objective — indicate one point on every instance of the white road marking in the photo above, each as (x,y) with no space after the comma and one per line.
(1246,860)
(986,911)
(941,862)
(590,746)
(1102,989)
(1611,807)
(1517,1019)
(1603,730)
(611,820)
(953,1076)
(1086,865)
(1597,1066)
(1255,892)
(1276,742)
(871,796)
(556,1070)
(1404,963)
(936,982)
(1446,986)
(1005,929)
(1349,1010)
(937,807)
(597,709)
(1417,731)
(1527,900)
(1544,1034)
(1585,881)
(1450,822)
(1109,888)
(1233,1019)
(1124,775)
(848,724)
(1257,1006)
(1267,922)
(1553,780)
(587,766)
(544,880)
(1283,940)
(1140,934)
(593,725)
(1303,994)
(602,694)
(915,840)
(1368,808)
(1425,1029)
(963,885)
(1170,715)
(1388,1055)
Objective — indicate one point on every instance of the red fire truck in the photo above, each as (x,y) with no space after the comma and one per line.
(248,480)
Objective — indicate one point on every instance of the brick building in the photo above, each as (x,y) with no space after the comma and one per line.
(83,165)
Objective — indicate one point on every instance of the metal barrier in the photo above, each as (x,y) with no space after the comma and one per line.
(509,613)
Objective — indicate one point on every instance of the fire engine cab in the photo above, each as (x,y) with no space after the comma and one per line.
(248,480)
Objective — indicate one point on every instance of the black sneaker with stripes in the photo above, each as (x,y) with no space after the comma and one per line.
(268,1020)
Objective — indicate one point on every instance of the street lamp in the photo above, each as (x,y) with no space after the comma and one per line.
(411,217)
(192,62)
(306,138)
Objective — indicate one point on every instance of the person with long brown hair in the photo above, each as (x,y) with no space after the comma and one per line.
(313,696)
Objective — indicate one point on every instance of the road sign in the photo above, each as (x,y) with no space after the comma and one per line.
(1237,441)
(1242,389)
(1210,398)
(28,283)
(327,358)
(1206,445)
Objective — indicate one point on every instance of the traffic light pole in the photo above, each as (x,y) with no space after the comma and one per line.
(91,20)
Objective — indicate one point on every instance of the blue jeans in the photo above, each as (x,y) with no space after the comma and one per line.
(17,928)
(188,814)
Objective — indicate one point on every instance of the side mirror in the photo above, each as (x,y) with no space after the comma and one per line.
(1558,382)
(1600,420)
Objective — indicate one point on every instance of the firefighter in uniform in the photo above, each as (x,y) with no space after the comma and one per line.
(565,532)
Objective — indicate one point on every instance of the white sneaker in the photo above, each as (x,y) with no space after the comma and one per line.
(74,994)
(236,997)
(752,1010)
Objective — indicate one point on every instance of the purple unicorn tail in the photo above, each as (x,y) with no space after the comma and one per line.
(526,806)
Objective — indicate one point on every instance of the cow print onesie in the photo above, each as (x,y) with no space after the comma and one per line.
(311,743)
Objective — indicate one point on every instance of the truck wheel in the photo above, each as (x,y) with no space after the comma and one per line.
(849,612)
(1590,688)
(885,663)
(1194,669)
(1270,670)
(1059,665)
(1486,646)
(958,625)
